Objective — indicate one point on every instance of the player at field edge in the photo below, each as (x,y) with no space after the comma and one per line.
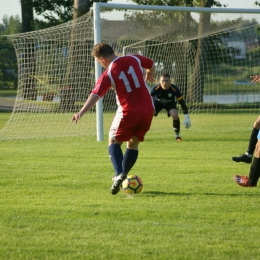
(135,107)
(252,153)
(164,94)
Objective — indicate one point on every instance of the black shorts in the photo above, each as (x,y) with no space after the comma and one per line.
(159,106)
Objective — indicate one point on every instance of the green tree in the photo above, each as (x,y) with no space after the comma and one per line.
(8,65)
(8,61)
(56,12)
(10,25)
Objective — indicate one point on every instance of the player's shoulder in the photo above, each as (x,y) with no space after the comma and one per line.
(132,56)
(174,87)
(138,56)
(121,60)
(156,87)
(141,57)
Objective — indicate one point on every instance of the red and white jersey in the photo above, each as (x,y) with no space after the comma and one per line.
(125,76)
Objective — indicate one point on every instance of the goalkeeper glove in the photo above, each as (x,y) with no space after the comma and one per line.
(187,122)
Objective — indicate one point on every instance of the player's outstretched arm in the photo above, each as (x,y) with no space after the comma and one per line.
(186,121)
(255,78)
(91,101)
(150,74)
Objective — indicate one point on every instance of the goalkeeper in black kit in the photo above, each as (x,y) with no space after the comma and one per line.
(164,96)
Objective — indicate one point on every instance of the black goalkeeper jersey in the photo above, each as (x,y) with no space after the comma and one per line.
(168,96)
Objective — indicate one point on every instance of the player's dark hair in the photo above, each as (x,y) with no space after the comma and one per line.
(165,75)
(102,50)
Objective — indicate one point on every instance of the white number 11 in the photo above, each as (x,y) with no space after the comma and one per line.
(126,82)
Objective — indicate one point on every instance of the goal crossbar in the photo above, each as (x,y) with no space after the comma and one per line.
(98,5)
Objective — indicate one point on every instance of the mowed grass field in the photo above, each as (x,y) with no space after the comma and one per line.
(55,200)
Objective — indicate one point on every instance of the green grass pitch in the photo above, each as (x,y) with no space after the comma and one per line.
(55,200)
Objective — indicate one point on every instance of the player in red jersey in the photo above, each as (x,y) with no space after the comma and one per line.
(135,107)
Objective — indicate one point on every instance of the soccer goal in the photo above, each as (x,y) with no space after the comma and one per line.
(210,54)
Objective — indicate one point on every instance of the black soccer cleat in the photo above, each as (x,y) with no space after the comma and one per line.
(243,158)
(117,183)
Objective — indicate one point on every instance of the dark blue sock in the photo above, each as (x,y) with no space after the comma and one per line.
(129,159)
(116,157)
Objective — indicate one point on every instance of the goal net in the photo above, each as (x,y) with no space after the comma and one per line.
(210,54)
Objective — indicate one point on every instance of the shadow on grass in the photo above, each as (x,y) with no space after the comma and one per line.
(219,138)
(161,193)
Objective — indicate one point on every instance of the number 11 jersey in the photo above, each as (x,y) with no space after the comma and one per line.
(125,76)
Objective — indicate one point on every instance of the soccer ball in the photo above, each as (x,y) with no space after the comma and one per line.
(132,184)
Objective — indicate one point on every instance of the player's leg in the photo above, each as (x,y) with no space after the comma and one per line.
(116,138)
(116,155)
(157,107)
(129,159)
(176,123)
(131,153)
(254,173)
(132,128)
(248,155)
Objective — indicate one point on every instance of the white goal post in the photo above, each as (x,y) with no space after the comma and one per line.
(210,54)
